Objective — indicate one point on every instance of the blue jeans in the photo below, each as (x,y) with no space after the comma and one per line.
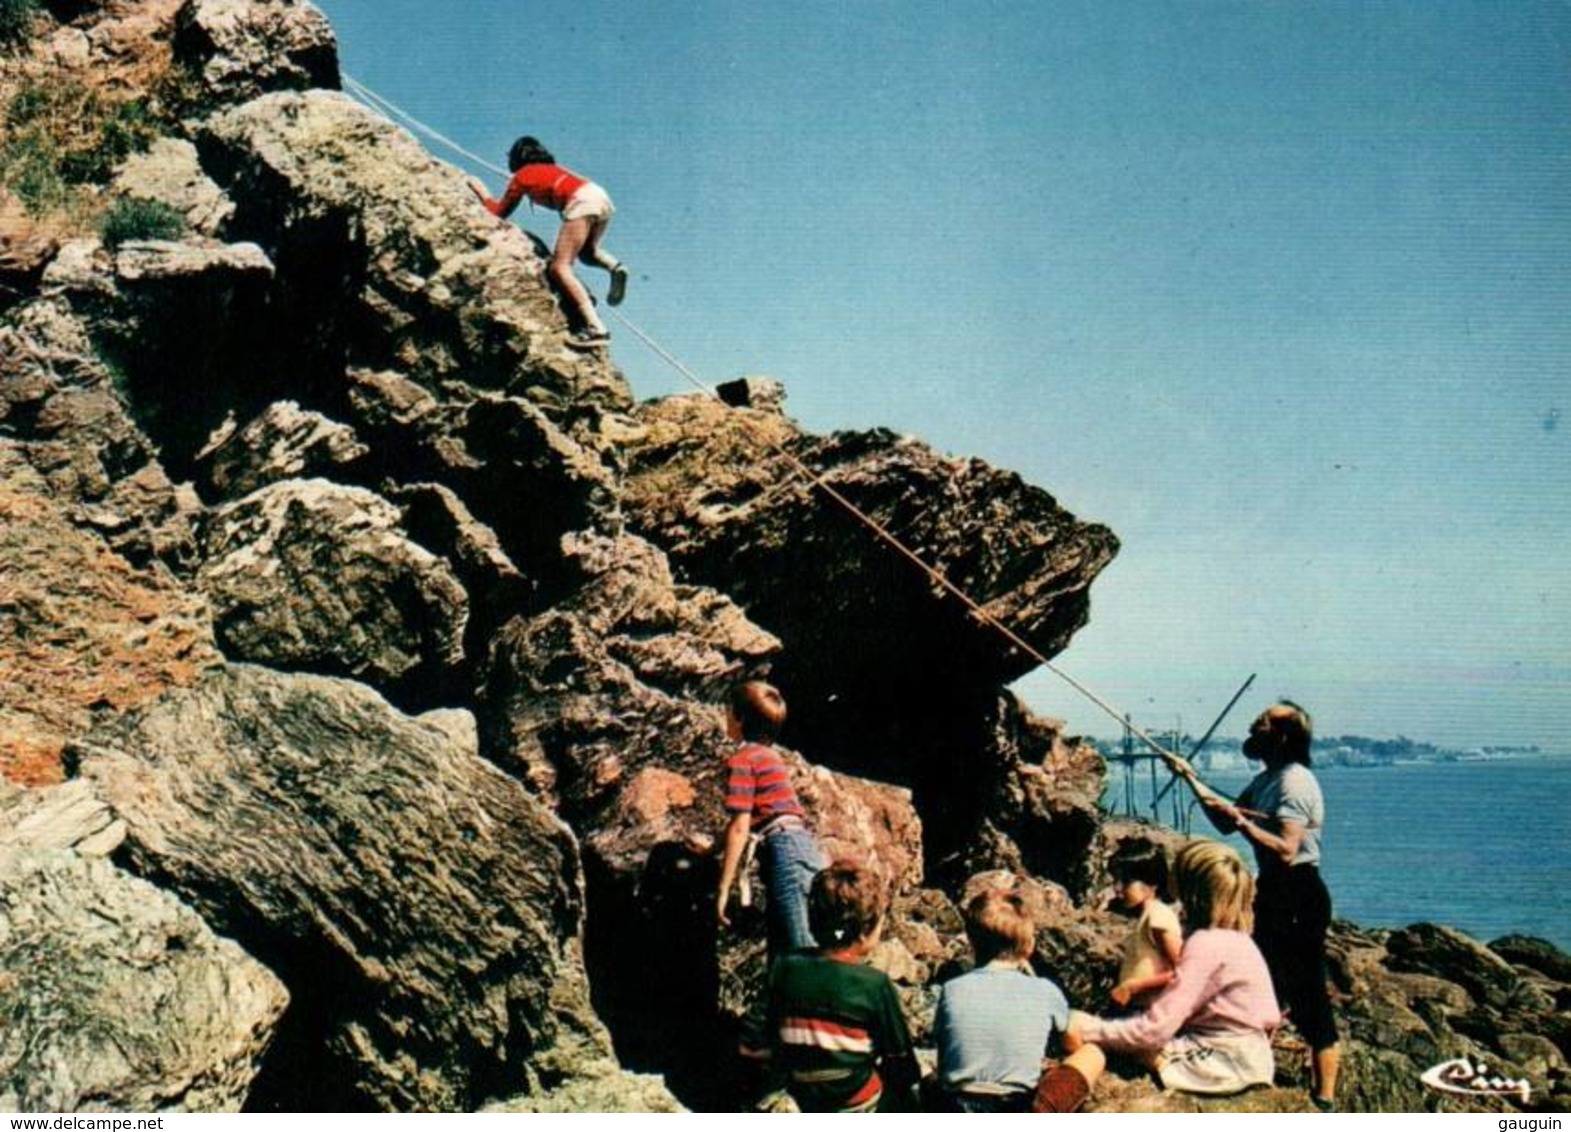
(789,859)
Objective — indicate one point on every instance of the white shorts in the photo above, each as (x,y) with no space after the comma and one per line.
(590,202)
(1216,1063)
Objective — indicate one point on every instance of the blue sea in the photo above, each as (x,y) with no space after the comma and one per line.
(1481,846)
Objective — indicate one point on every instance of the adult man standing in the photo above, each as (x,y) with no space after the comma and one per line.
(1281,813)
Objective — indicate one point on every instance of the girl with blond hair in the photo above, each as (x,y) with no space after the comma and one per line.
(1209,1031)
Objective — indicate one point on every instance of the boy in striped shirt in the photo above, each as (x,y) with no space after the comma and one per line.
(831,1024)
(760,800)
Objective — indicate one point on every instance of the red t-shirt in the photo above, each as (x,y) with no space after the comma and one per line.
(759,784)
(549,185)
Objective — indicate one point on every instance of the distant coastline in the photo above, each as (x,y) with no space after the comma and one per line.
(1224,754)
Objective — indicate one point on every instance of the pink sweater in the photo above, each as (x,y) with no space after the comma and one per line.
(1222,987)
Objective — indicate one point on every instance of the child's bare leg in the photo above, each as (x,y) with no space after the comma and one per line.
(592,252)
(569,242)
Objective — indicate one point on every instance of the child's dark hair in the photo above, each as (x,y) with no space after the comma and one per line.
(845,904)
(1142,861)
(760,709)
(999,926)
(528,151)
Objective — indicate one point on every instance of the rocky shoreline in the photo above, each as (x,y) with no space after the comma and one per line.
(360,647)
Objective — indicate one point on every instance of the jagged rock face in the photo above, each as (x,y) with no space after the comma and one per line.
(284,442)
(437,518)
(605,704)
(141,302)
(118,997)
(81,629)
(515,469)
(388,261)
(317,577)
(608,705)
(58,399)
(1004,794)
(423,910)
(169,172)
(702,482)
(68,816)
(243,48)
(888,677)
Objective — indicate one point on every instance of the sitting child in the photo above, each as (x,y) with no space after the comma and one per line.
(1151,952)
(1209,1030)
(833,1025)
(996,1022)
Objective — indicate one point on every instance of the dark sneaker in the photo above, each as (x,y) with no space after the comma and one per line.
(618,286)
(589,339)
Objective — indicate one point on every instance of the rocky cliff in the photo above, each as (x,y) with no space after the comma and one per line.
(360,643)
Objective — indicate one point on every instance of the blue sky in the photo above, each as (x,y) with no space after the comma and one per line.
(1278,291)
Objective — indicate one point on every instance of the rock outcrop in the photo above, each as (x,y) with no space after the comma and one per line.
(891,675)
(386,258)
(81,629)
(118,997)
(317,577)
(422,908)
(243,48)
(378,471)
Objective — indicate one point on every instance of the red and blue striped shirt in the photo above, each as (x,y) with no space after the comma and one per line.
(759,783)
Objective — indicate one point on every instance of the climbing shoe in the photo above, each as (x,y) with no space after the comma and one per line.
(618,286)
(588,339)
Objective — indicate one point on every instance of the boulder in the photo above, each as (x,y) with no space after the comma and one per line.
(170,173)
(1535,954)
(284,442)
(118,997)
(311,575)
(422,908)
(1447,953)
(704,483)
(243,48)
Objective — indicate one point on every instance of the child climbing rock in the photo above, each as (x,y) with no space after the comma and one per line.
(586,214)
(760,800)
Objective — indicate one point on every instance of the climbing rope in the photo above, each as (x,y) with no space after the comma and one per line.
(1179,766)
(376,102)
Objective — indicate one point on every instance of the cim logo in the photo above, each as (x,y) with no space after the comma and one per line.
(1465,1079)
